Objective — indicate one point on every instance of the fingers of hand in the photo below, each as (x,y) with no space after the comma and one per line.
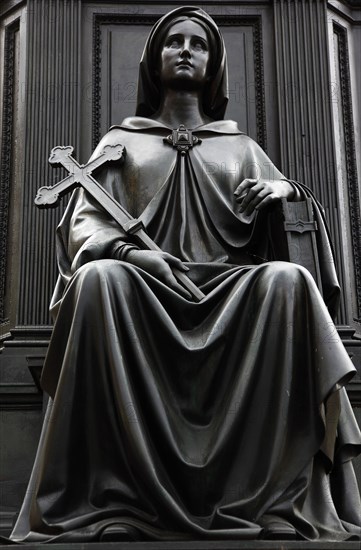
(158,264)
(262,200)
(254,195)
(258,197)
(148,260)
(170,280)
(175,262)
(267,201)
(243,186)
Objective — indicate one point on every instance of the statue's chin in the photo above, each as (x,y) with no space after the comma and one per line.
(184,81)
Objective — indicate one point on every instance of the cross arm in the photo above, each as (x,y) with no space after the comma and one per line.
(81,176)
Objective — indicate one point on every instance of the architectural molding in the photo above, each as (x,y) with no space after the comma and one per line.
(6,153)
(19,397)
(350,156)
(98,21)
(256,23)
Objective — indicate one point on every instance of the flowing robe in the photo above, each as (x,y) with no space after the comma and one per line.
(187,420)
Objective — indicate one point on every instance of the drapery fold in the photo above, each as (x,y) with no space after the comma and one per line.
(180,420)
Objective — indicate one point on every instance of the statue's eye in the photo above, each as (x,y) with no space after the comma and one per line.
(199,44)
(173,42)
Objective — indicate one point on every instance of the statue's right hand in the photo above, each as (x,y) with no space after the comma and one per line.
(159,265)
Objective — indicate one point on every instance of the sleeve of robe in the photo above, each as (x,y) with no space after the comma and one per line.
(86,231)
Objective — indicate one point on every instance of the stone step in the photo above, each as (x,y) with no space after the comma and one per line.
(192,545)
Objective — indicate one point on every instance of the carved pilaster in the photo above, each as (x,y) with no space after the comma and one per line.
(305,109)
(52,98)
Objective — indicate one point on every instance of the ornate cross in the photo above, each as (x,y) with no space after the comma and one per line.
(80,175)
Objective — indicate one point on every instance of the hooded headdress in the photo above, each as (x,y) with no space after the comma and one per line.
(215,95)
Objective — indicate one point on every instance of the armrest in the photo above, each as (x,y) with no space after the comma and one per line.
(293,235)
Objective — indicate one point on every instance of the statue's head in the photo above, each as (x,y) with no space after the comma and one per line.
(186,21)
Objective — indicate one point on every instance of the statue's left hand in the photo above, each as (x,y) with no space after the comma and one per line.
(254,194)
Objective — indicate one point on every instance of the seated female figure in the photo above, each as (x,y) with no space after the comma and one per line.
(176,419)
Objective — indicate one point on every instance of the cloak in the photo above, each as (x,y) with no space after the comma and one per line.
(180,420)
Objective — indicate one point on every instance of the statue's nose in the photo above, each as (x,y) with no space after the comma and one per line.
(186,48)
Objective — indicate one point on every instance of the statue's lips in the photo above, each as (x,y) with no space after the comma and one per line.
(184,64)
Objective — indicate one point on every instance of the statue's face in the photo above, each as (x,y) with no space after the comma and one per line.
(185,56)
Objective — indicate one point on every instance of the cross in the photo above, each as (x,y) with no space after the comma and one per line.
(80,175)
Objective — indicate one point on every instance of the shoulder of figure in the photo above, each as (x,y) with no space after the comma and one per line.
(115,136)
(252,145)
(139,123)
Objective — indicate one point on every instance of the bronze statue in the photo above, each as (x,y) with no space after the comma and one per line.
(172,418)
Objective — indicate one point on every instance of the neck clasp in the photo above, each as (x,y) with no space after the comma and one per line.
(182,139)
